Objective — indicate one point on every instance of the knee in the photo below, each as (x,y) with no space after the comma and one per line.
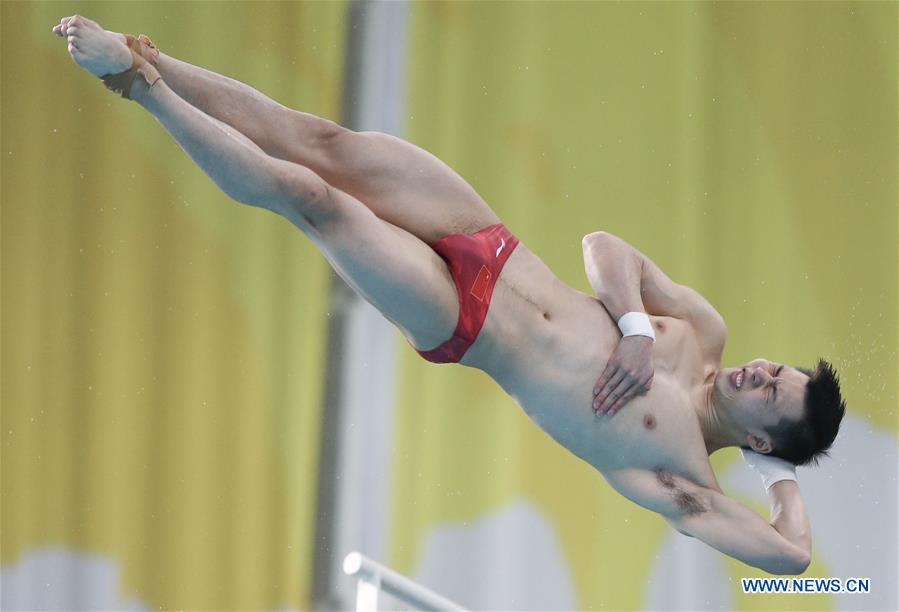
(330,131)
(358,156)
(324,138)
(323,148)
(304,196)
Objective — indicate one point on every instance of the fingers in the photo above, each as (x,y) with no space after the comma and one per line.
(603,380)
(626,393)
(605,384)
(635,390)
(624,398)
(618,392)
(608,391)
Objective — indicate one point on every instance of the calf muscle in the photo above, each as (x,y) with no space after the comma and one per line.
(237,166)
(280,131)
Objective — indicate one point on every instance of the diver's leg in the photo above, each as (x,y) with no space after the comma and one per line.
(392,269)
(395,271)
(400,182)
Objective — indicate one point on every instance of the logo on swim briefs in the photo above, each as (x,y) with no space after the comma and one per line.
(501,247)
(479,287)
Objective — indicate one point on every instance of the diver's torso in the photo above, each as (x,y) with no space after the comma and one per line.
(546,344)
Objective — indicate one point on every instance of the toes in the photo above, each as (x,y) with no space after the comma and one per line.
(68,22)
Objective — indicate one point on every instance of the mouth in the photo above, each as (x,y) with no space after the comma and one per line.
(736,379)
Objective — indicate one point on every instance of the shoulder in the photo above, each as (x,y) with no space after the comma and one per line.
(707,323)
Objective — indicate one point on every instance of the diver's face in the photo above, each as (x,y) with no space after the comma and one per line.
(760,393)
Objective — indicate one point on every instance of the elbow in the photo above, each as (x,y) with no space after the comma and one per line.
(802,563)
(794,564)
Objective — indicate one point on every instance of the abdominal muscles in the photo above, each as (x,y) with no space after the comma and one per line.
(546,344)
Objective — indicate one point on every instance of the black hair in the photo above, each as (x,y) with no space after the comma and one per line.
(805,441)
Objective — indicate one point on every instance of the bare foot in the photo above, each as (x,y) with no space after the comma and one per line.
(98,51)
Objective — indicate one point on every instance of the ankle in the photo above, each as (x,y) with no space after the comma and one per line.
(146,82)
(151,98)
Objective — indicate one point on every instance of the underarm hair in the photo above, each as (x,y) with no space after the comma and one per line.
(687,502)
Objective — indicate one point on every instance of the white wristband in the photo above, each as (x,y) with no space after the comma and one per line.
(636,324)
(772,469)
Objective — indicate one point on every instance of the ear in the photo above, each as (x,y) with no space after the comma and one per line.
(759,444)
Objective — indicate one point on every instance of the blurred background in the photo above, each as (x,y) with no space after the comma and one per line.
(196,414)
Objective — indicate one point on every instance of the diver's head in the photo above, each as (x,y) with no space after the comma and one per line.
(791,413)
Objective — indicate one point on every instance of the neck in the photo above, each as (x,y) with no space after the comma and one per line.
(718,429)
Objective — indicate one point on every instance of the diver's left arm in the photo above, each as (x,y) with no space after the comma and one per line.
(787,507)
(788,515)
(782,546)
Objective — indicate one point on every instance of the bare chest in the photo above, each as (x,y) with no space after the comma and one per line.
(547,352)
(659,429)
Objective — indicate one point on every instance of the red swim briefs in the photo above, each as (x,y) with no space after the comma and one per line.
(475,261)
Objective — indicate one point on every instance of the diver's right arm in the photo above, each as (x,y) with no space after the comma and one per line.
(615,272)
(625,279)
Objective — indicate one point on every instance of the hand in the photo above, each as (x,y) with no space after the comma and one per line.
(628,373)
(772,469)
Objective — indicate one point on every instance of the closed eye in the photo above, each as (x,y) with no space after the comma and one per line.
(775,383)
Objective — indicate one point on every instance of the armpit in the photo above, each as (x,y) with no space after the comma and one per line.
(688,503)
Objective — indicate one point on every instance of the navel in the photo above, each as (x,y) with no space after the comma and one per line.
(649,421)
(660,326)
(546,316)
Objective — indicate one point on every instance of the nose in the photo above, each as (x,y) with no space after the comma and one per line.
(760,376)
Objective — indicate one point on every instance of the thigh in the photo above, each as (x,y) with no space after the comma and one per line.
(389,267)
(401,183)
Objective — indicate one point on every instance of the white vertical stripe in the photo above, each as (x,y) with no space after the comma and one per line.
(364,470)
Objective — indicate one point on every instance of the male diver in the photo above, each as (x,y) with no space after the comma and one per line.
(416,241)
